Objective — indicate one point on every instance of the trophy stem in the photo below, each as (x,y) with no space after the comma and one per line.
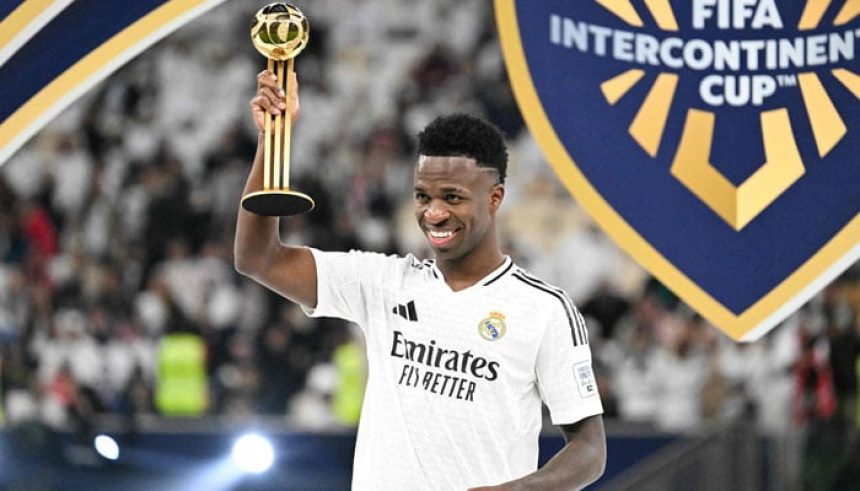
(279,67)
(267,144)
(288,123)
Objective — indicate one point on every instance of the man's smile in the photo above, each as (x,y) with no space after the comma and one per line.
(441,237)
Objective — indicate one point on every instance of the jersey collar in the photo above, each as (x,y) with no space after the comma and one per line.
(498,273)
(495,275)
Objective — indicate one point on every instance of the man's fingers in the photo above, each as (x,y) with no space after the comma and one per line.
(264,104)
(260,102)
(267,79)
(271,97)
(276,104)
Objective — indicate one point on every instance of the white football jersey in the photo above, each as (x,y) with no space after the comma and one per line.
(455,379)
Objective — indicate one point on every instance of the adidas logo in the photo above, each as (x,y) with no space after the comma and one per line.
(406,311)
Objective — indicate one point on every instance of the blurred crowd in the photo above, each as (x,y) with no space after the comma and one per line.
(117,221)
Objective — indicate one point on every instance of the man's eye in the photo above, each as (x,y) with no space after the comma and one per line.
(421,197)
(453,198)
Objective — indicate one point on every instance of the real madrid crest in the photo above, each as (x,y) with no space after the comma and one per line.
(493,327)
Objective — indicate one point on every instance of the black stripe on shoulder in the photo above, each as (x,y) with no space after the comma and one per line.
(580,322)
(575,332)
(511,265)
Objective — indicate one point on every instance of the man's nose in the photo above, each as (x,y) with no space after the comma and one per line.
(435,212)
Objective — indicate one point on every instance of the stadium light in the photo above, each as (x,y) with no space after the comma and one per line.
(253,453)
(106,446)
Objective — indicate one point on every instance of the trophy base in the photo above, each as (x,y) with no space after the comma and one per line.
(278,203)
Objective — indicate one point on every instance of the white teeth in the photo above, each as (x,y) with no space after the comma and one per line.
(441,235)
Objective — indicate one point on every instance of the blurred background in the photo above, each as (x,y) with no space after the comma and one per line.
(121,313)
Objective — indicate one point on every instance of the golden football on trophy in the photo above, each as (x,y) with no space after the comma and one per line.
(280,31)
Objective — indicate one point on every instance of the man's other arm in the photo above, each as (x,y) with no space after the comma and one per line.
(579,463)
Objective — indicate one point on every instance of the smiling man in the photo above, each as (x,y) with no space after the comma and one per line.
(462,349)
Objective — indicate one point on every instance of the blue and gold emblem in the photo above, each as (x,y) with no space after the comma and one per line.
(51,53)
(493,327)
(715,141)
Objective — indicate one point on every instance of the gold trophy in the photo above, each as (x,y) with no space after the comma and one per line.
(280,33)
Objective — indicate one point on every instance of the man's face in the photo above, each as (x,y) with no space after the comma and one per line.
(455,203)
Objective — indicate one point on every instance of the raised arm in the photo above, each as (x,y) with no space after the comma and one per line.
(579,463)
(258,251)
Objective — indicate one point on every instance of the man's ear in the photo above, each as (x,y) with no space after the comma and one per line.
(497,195)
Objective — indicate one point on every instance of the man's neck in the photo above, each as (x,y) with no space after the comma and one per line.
(466,271)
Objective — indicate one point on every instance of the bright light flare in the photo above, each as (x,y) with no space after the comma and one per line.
(253,453)
(106,447)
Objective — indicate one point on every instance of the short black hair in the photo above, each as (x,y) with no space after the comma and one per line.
(463,135)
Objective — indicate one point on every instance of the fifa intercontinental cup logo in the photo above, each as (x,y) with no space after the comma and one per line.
(747,56)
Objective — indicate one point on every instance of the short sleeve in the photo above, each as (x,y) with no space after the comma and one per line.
(347,283)
(565,377)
